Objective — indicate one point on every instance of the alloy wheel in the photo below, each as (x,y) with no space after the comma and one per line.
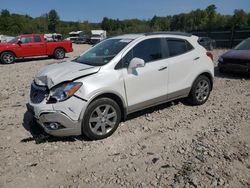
(202,90)
(103,119)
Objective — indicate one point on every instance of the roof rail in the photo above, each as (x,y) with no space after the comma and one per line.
(169,33)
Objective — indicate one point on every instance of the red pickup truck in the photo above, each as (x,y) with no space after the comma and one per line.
(32,45)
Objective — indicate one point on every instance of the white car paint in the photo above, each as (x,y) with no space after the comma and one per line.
(156,82)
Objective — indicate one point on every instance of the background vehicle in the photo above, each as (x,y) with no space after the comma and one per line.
(119,76)
(207,43)
(53,37)
(237,59)
(97,36)
(78,37)
(32,45)
(5,38)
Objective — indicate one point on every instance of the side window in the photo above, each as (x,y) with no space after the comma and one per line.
(189,46)
(148,50)
(178,47)
(25,40)
(37,39)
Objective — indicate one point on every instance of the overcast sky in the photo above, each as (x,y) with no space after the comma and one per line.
(95,10)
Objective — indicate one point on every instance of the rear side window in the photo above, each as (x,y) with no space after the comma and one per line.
(37,39)
(178,47)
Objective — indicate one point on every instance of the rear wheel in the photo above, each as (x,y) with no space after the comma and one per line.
(200,91)
(7,58)
(59,53)
(101,119)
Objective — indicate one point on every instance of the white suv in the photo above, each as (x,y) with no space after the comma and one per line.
(93,93)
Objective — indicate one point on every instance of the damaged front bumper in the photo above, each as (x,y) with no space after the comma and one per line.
(60,119)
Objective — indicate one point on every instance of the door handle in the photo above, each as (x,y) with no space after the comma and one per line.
(196,58)
(41,44)
(162,68)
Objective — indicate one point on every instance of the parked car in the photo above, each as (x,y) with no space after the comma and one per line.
(32,45)
(97,36)
(5,38)
(237,59)
(78,37)
(52,37)
(207,43)
(93,93)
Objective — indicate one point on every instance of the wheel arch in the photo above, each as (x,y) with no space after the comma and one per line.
(59,47)
(114,97)
(8,51)
(208,75)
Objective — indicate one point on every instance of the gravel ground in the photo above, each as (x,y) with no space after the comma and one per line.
(171,145)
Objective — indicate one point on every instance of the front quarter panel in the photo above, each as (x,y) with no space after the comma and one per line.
(105,81)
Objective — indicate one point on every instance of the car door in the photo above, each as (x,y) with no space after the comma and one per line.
(25,46)
(38,46)
(181,65)
(146,85)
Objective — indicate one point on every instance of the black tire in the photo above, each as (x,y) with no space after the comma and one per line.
(200,91)
(96,126)
(59,53)
(7,58)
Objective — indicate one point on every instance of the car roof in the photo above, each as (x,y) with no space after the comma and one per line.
(138,35)
(23,35)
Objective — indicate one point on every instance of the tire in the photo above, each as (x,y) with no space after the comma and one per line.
(101,119)
(200,91)
(7,58)
(59,53)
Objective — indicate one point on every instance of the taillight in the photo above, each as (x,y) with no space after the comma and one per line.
(210,55)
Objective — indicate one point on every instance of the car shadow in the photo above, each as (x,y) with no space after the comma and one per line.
(156,108)
(40,136)
(231,75)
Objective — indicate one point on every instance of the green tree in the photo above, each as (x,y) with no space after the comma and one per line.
(211,15)
(240,18)
(53,19)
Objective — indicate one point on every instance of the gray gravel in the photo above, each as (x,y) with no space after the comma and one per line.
(171,145)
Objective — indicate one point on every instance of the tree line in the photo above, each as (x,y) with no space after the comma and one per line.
(196,20)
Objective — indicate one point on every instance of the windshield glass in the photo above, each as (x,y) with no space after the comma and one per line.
(244,45)
(103,53)
(13,40)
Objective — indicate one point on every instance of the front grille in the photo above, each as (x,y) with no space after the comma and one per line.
(38,93)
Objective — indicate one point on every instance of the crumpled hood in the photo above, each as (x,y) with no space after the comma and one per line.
(56,73)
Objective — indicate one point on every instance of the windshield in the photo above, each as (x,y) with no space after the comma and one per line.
(244,45)
(103,53)
(13,40)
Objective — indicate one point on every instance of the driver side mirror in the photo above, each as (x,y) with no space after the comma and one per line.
(19,42)
(135,63)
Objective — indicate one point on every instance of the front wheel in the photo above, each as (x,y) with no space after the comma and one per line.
(59,53)
(7,58)
(101,119)
(200,91)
